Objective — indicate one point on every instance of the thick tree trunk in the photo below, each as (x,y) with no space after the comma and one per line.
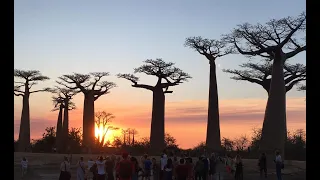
(24,133)
(59,130)
(65,126)
(132,139)
(213,140)
(274,124)
(88,120)
(157,122)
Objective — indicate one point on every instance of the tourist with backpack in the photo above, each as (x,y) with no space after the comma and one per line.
(125,168)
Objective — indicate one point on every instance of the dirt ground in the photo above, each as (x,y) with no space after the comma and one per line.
(46,167)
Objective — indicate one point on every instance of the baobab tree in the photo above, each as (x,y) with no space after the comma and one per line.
(23,88)
(212,50)
(92,87)
(260,73)
(124,133)
(62,99)
(172,76)
(276,40)
(103,121)
(133,132)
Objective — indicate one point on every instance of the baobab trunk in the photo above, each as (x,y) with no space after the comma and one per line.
(274,124)
(157,122)
(213,141)
(133,139)
(65,126)
(59,130)
(88,120)
(24,133)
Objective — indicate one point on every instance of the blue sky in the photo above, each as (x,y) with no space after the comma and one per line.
(64,36)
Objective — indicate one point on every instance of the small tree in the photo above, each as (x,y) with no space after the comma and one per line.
(276,40)
(241,143)
(103,121)
(227,144)
(261,74)
(30,78)
(170,141)
(92,87)
(134,132)
(172,76)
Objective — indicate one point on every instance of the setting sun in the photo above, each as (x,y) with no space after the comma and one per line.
(107,133)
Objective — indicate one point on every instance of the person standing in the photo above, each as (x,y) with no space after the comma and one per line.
(198,169)
(80,169)
(24,166)
(279,165)
(238,175)
(109,168)
(125,168)
(181,170)
(101,165)
(65,173)
(213,162)
(168,168)
(263,165)
(163,163)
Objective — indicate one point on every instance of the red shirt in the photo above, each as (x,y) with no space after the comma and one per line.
(118,168)
(182,171)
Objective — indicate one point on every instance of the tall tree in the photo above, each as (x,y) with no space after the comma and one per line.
(63,97)
(124,133)
(172,76)
(92,87)
(134,132)
(211,49)
(103,121)
(276,40)
(23,88)
(260,73)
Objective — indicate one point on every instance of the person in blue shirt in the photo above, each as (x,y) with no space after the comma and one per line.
(147,166)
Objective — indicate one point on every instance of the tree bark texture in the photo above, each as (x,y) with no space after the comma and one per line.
(88,120)
(24,133)
(59,130)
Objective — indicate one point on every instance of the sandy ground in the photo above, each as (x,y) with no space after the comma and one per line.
(46,167)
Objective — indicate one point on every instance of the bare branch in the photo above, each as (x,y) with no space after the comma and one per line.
(134,79)
(41,90)
(302,88)
(30,75)
(261,74)
(104,88)
(267,40)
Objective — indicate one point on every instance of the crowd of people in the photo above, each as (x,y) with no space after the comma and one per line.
(167,168)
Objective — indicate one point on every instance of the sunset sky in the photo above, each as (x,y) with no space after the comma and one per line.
(61,37)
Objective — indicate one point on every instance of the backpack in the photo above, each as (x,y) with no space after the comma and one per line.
(125,169)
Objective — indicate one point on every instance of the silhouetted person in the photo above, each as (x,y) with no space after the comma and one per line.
(238,175)
(198,169)
(189,165)
(24,166)
(65,170)
(155,169)
(125,168)
(81,169)
(147,165)
(168,168)
(109,168)
(205,172)
(181,170)
(279,165)
(263,165)
(213,162)
(136,168)
(90,169)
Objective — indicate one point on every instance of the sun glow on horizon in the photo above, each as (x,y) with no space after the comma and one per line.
(109,134)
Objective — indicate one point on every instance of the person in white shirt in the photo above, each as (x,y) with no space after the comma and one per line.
(163,163)
(90,173)
(101,165)
(24,166)
(81,169)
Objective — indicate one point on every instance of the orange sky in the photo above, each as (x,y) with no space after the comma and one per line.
(186,120)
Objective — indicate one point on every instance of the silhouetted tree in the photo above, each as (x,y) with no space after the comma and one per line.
(170,141)
(211,49)
(171,76)
(92,90)
(276,40)
(302,88)
(241,143)
(134,132)
(124,133)
(30,78)
(261,74)
(227,144)
(63,98)
(103,121)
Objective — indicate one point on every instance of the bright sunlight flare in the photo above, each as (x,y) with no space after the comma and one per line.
(108,134)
